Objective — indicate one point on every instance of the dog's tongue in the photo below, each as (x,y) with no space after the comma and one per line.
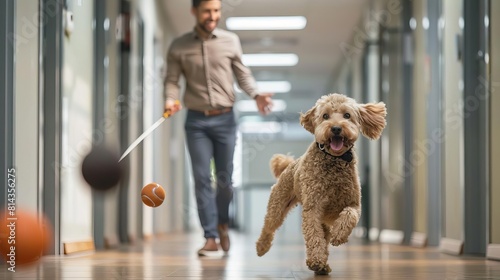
(336,144)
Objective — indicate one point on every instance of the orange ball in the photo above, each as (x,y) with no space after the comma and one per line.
(23,237)
(153,195)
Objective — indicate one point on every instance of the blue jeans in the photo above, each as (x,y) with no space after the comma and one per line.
(212,137)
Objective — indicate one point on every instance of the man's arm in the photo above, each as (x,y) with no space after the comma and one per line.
(243,74)
(171,82)
(247,82)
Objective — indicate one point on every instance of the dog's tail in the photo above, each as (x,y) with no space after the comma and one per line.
(279,163)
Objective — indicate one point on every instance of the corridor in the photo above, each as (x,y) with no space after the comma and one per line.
(173,257)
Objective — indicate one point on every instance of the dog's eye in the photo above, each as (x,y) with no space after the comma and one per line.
(347,116)
(326,116)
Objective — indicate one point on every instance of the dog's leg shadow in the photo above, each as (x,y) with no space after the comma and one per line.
(343,226)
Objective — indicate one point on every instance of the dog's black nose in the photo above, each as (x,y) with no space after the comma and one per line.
(336,130)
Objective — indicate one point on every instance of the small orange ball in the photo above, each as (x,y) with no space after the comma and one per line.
(23,237)
(153,195)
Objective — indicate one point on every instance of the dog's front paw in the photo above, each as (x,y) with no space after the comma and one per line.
(263,244)
(343,226)
(337,241)
(340,235)
(318,268)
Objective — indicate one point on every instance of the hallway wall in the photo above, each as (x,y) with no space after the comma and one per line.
(112,136)
(494,124)
(420,89)
(26,102)
(77,127)
(453,185)
(423,190)
(392,139)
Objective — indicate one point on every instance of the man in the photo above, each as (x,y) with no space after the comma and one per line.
(208,58)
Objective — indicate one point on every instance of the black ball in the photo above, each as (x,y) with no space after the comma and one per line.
(100,168)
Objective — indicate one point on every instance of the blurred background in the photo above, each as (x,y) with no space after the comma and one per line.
(78,73)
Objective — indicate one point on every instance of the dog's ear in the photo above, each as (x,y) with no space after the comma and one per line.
(306,120)
(372,119)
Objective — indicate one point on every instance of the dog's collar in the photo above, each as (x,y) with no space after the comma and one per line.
(347,156)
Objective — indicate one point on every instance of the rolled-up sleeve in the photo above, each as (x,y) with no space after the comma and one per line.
(173,73)
(243,74)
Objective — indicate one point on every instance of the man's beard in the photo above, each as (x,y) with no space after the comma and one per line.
(202,26)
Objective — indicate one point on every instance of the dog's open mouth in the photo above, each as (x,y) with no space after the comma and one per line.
(336,143)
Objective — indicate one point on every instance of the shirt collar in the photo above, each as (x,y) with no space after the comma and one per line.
(216,33)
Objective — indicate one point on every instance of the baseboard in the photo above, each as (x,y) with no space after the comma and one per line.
(161,234)
(132,239)
(418,239)
(493,252)
(451,246)
(111,241)
(391,236)
(359,232)
(148,237)
(373,234)
(78,247)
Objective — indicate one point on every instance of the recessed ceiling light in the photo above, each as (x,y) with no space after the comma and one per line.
(249,106)
(266,23)
(270,59)
(270,86)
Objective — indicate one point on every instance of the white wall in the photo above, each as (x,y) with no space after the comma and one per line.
(134,110)
(420,89)
(26,104)
(148,15)
(112,124)
(373,94)
(76,203)
(453,124)
(163,153)
(171,160)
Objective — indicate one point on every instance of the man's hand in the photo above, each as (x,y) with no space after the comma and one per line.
(264,103)
(172,106)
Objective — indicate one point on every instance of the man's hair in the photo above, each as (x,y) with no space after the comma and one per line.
(196,3)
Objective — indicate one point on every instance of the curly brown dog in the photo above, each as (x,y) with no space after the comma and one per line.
(325,179)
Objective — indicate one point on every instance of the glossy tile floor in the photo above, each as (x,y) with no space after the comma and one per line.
(174,257)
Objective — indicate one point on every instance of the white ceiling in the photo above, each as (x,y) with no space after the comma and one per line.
(329,23)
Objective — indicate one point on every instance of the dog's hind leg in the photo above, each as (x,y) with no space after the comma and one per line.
(343,225)
(281,201)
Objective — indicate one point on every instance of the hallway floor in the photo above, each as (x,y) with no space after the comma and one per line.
(174,257)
